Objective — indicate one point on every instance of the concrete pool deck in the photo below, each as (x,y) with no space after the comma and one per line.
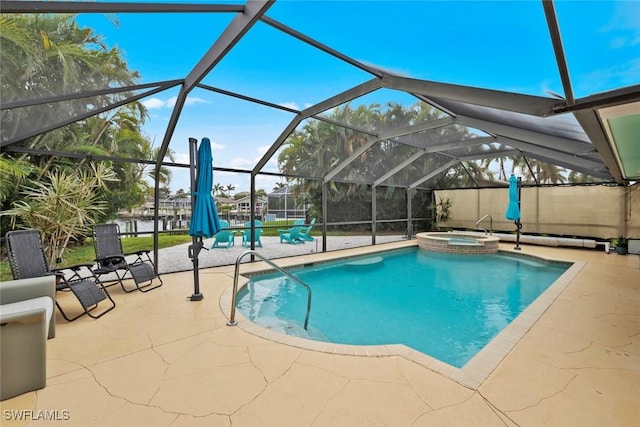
(159,359)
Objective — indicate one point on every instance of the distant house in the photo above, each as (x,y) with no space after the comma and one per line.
(243,206)
(224,201)
(179,208)
(284,204)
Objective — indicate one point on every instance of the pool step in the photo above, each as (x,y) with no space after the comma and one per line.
(290,327)
(364,263)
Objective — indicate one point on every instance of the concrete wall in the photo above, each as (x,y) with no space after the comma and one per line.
(594,211)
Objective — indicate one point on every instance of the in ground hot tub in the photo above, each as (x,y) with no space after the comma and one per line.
(458,243)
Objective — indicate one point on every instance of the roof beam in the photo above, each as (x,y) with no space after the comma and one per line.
(489,155)
(598,173)
(248,98)
(75,118)
(556,40)
(448,145)
(332,102)
(112,7)
(431,174)
(229,37)
(398,168)
(322,47)
(459,144)
(276,145)
(611,98)
(591,124)
(85,94)
(568,160)
(346,162)
(420,127)
(446,121)
(341,98)
(533,137)
(527,104)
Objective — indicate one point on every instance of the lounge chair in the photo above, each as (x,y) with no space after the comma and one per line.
(28,260)
(111,259)
(246,234)
(292,235)
(224,237)
(305,233)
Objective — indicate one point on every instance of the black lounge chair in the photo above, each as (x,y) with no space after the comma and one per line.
(110,258)
(27,259)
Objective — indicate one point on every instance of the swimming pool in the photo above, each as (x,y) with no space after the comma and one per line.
(445,305)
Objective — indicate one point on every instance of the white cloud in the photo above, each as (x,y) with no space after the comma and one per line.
(291,105)
(156,103)
(171,102)
(153,103)
(599,80)
(241,163)
(262,150)
(192,100)
(217,147)
(624,25)
(182,158)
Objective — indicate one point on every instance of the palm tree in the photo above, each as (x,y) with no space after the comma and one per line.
(44,55)
(218,189)
(318,147)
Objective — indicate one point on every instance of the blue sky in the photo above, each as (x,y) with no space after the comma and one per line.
(501,45)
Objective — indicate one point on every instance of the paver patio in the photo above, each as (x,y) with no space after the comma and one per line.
(159,359)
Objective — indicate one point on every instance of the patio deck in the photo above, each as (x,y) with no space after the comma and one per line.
(159,359)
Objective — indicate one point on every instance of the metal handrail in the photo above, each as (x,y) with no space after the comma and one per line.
(232,318)
(490,223)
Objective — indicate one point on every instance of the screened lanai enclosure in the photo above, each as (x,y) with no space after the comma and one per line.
(340,100)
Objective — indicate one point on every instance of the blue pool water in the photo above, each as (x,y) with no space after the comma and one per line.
(448,306)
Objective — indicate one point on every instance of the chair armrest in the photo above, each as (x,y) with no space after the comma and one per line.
(110,259)
(75,267)
(12,291)
(109,264)
(75,273)
(142,252)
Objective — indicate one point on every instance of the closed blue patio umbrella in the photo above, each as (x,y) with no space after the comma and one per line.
(513,208)
(204,216)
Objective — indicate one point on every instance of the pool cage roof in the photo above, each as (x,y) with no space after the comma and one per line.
(467,128)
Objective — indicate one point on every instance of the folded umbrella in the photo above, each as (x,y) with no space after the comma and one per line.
(204,216)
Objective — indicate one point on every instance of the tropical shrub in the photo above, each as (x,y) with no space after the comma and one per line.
(62,205)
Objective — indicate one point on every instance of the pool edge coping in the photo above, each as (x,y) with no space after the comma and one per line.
(472,374)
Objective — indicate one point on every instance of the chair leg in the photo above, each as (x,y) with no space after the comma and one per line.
(65,314)
(119,279)
(87,310)
(144,288)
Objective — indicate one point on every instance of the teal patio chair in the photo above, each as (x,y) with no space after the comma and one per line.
(246,234)
(224,237)
(292,235)
(305,232)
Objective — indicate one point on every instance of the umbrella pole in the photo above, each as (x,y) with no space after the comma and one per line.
(517,222)
(194,248)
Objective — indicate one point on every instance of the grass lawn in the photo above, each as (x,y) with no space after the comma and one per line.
(83,254)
